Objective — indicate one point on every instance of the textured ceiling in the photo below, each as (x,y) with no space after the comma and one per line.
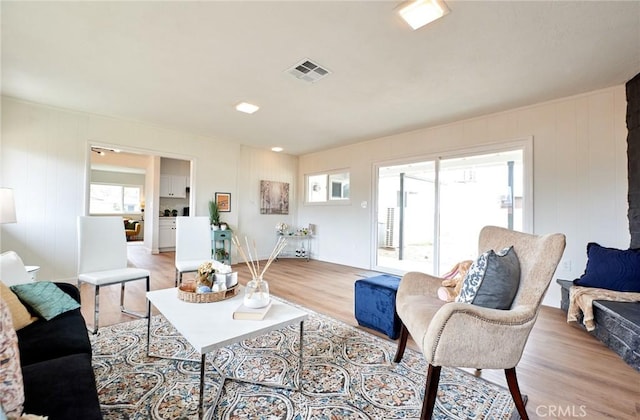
(184,65)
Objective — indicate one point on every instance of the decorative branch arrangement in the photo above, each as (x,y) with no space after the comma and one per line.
(254,265)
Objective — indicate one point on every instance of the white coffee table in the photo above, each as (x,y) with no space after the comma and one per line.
(210,326)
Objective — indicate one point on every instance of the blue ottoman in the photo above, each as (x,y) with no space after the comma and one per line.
(375,304)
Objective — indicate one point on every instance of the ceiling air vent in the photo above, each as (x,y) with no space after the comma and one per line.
(308,71)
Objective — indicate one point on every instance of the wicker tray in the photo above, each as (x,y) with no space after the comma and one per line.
(193,297)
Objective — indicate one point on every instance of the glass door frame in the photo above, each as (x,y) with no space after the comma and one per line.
(525,144)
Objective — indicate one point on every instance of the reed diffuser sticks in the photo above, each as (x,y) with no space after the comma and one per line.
(248,257)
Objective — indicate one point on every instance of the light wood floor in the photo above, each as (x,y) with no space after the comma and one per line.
(565,372)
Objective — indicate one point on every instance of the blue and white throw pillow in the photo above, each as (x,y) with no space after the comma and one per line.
(492,280)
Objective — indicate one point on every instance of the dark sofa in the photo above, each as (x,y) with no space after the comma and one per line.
(55,357)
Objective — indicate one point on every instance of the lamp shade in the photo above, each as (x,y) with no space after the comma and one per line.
(7,206)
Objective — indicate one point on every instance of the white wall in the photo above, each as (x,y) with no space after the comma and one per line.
(119,159)
(43,156)
(580,176)
(257,165)
(123,178)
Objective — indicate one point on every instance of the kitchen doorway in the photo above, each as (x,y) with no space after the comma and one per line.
(129,183)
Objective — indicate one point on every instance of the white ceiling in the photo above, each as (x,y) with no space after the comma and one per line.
(185,65)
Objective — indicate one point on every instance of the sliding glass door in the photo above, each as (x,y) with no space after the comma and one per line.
(476,191)
(406,195)
(430,212)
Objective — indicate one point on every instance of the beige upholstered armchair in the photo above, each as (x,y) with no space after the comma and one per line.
(465,335)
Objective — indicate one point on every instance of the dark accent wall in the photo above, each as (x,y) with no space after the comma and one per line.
(633,158)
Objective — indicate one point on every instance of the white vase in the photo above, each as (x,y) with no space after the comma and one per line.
(256,294)
(230,279)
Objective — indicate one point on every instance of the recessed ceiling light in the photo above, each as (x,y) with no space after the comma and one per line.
(247,108)
(277,149)
(418,13)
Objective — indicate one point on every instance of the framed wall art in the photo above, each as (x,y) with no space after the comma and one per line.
(274,197)
(224,201)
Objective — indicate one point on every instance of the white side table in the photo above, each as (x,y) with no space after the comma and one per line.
(33,271)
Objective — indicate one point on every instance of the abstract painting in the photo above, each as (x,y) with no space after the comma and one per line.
(274,197)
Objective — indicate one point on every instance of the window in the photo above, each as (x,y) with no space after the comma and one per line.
(114,199)
(339,186)
(328,187)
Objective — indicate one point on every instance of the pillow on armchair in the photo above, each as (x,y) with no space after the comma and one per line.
(492,280)
(610,268)
(130,224)
(131,228)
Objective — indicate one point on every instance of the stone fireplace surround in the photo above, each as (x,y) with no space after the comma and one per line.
(633,158)
(618,323)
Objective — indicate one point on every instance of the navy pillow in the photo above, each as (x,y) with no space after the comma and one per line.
(610,268)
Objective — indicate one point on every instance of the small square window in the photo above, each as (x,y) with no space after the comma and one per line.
(321,188)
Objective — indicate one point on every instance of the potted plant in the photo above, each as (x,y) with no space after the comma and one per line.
(220,254)
(214,215)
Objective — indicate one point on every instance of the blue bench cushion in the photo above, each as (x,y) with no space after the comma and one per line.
(375,304)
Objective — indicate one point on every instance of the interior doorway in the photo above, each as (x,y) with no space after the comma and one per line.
(117,187)
(129,183)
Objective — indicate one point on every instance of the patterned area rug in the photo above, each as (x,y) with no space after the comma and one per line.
(347,374)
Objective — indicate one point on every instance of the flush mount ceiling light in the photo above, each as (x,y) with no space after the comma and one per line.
(247,108)
(418,13)
(277,149)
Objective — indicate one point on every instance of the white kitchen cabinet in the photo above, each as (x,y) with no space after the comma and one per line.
(167,233)
(173,186)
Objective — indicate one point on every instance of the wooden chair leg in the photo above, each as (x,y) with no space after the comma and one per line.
(512,381)
(402,343)
(430,392)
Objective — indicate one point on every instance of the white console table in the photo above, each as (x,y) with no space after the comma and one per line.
(298,246)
